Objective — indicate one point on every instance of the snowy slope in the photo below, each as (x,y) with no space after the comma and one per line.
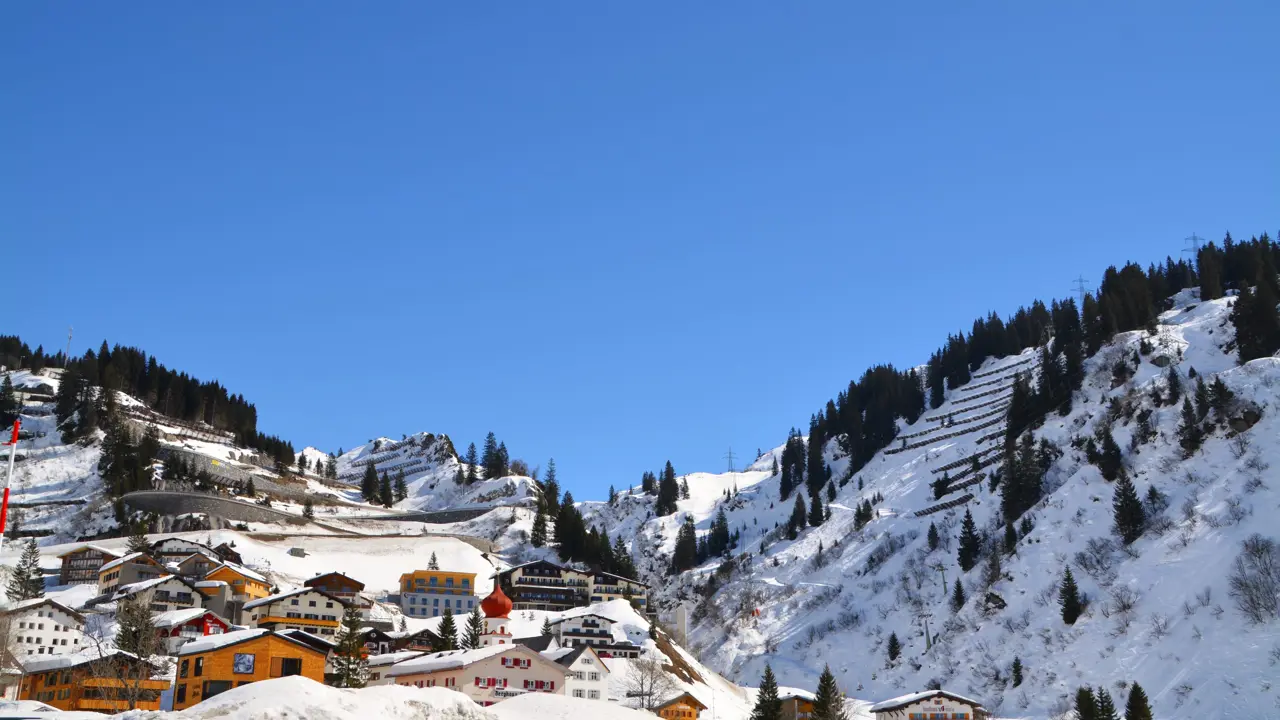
(1195,660)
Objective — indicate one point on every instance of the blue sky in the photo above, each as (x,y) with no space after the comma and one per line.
(611,233)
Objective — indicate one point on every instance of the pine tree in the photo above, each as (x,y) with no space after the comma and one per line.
(831,491)
(474,629)
(684,488)
(1175,384)
(433,563)
(668,492)
(551,489)
(970,543)
(26,582)
(1110,462)
(613,496)
(895,647)
(1138,707)
(489,458)
(1106,706)
(828,701)
(1016,671)
(309,509)
(369,483)
(302,464)
(386,495)
(539,535)
(135,625)
(138,542)
(992,571)
(1202,398)
(350,659)
(799,518)
(8,402)
(768,706)
(547,629)
(1220,397)
(685,555)
(1190,434)
(1257,321)
(448,632)
(933,537)
(1086,704)
(473,472)
(816,515)
(1130,517)
(1010,539)
(1069,598)
(958,597)
(401,490)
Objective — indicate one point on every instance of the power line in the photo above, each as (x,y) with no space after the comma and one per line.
(729,456)
(1080,289)
(1193,246)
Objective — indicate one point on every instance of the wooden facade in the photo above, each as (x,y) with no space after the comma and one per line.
(81,565)
(240,658)
(681,707)
(245,584)
(73,684)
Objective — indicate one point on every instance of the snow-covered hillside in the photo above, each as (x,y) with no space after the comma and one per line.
(836,593)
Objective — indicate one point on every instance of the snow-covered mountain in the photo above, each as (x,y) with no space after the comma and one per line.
(1159,611)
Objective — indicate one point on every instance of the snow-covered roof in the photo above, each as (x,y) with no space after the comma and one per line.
(21,605)
(122,560)
(125,591)
(281,596)
(213,642)
(570,615)
(449,660)
(61,662)
(790,692)
(99,548)
(210,583)
(173,618)
(903,700)
(394,657)
(239,570)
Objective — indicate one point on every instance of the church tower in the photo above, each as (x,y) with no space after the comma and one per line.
(496,608)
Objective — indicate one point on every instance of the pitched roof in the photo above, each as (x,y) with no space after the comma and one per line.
(281,596)
(394,657)
(131,557)
(311,639)
(217,642)
(633,581)
(904,700)
(37,602)
(786,693)
(567,659)
(537,643)
(125,591)
(173,618)
(454,659)
(688,699)
(162,541)
(239,570)
(65,662)
(99,548)
(332,573)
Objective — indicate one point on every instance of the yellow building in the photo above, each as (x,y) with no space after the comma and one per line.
(681,707)
(88,681)
(245,583)
(217,663)
(426,593)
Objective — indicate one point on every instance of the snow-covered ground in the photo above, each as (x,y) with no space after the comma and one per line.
(1196,658)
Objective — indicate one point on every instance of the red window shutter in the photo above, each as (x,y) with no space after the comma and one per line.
(478,681)
(553,685)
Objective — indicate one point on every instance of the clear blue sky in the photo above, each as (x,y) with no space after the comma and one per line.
(613,233)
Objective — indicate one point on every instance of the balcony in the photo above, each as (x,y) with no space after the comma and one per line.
(272,619)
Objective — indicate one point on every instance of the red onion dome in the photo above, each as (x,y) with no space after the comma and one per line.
(497,605)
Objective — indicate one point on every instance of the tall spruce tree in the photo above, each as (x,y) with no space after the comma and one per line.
(350,662)
(135,625)
(138,542)
(401,490)
(539,535)
(668,491)
(816,515)
(447,632)
(894,648)
(1106,706)
(473,465)
(1069,598)
(933,537)
(685,555)
(1130,517)
(474,630)
(1138,707)
(1257,321)
(799,518)
(369,483)
(551,489)
(970,543)
(1086,704)
(958,598)
(1015,672)
(1190,434)
(26,582)
(386,496)
(768,706)
(828,701)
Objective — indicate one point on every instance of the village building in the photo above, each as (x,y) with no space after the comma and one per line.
(338,585)
(132,568)
(214,664)
(607,586)
(80,565)
(423,639)
(194,566)
(174,549)
(165,593)
(426,593)
(681,707)
(377,641)
(42,627)
(179,627)
(929,705)
(486,675)
(797,704)
(92,681)
(543,585)
(306,609)
(596,631)
(381,663)
(588,677)
(228,554)
(245,584)
(218,598)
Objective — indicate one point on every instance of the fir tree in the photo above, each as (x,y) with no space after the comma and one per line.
(8,402)
(1190,434)
(473,472)
(539,535)
(135,625)
(1086,704)
(302,464)
(547,629)
(1257,321)
(816,515)
(401,490)
(433,563)
(958,597)
(684,488)
(1010,539)
(386,496)
(768,706)
(369,483)
(474,629)
(895,647)
(1220,397)
(1016,671)
(613,496)
(1106,706)
(138,542)
(1174,384)
(685,555)
(448,632)
(828,701)
(668,492)
(622,563)
(1069,598)
(940,486)
(831,492)
(1130,517)
(1110,461)
(350,660)
(1138,707)
(799,518)
(1202,399)
(970,543)
(551,489)
(309,509)
(992,571)
(26,582)
(933,537)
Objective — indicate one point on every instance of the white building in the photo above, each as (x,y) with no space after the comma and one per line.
(43,627)
(168,592)
(929,705)
(379,665)
(596,631)
(588,677)
(314,611)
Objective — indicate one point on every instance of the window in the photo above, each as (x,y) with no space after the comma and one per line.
(311,603)
(200,669)
(579,693)
(215,687)
(329,605)
(593,694)
(294,601)
(595,676)
(181,696)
